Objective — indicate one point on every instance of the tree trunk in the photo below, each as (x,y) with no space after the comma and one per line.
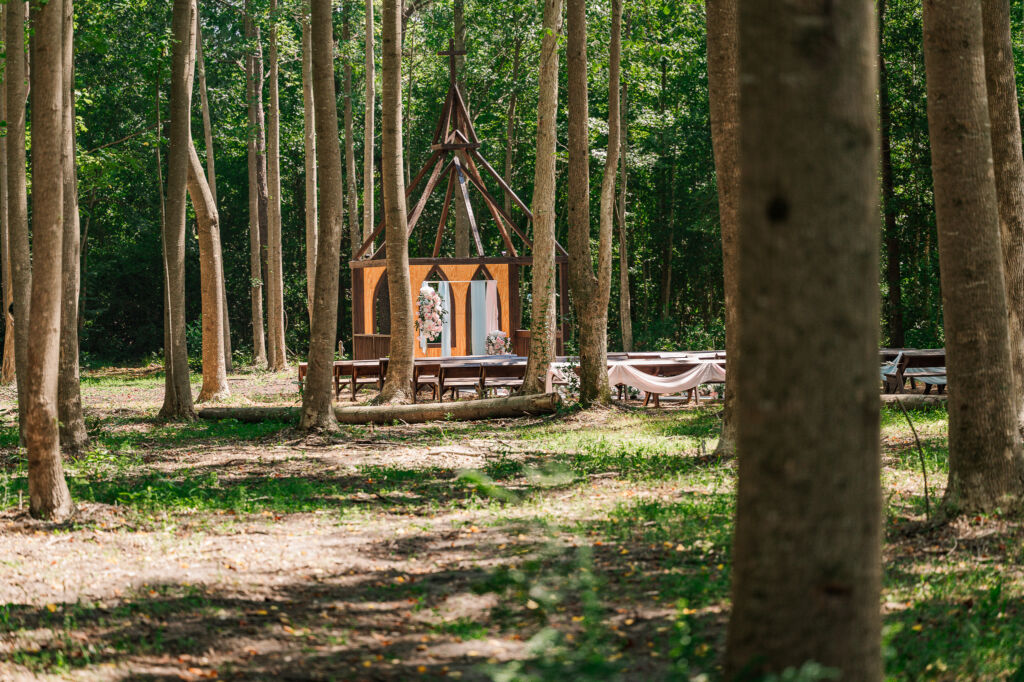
(462,229)
(510,121)
(276,360)
(355,233)
(309,146)
(542,333)
(7,369)
(894,298)
(398,384)
(807,548)
(73,436)
(492,408)
(590,291)
(49,497)
(667,199)
(1004,114)
(17,195)
(257,186)
(317,412)
(211,267)
(625,299)
(369,128)
(211,174)
(984,449)
(178,394)
(724,96)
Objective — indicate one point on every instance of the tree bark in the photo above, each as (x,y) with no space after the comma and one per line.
(492,408)
(7,368)
(625,298)
(355,233)
(724,96)
(807,548)
(590,291)
(257,184)
(309,146)
(17,195)
(510,121)
(49,497)
(369,128)
(1004,115)
(178,393)
(542,333)
(398,384)
(73,436)
(985,470)
(211,174)
(462,229)
(215,376)
(893,278)
(276,360)
(317,412)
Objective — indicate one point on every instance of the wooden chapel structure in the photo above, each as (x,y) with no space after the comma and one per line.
(455,155)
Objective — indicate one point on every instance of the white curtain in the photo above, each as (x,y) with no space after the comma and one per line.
(478,304)
(446,329)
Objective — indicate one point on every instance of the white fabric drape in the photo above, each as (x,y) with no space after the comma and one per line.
(492,306)
(478,303)
(446,328)
(624,373)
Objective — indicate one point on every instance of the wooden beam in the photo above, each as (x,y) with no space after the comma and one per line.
(440,131)
(431,184)
(501,181)
(469,206)
(444,212)
(454,146)
(460,108)
(496,212)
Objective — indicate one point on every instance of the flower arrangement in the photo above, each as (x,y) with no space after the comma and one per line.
(430,315)
(497,343)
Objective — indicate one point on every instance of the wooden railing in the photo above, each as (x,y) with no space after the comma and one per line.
(371,346)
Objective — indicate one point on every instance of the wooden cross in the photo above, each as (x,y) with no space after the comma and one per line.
(452,53)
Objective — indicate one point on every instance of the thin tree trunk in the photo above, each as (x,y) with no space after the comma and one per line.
(625,300)
(510,121)
(398,384)
(309,147)
(724,96)
(211,174)
(807,548)
(211,267)
(984,445)
(49,497)
(17,196)
(7,370)
(462,238)
(276,360)
(317,410)
(73,436)
(1004,114)
(355,233)
(257,186)
(542,332)
(178,396)
(666,198)
(590,291)
(893,278)
(369,128)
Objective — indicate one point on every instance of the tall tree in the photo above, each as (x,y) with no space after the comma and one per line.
(276,359)
(211,174)
(462,239)
(17,194)
(625,299)
(178,392)
(1004,115)
(807,548)
(369,126)
(309,147)
(355,233)
(985,467)
(893,276)
(590,290)
(211,273)
(398,384)
(317,407)
(7,368)
(510,119)
(724,96)
(257,181)
(73,436)
(542,334)
(49,497)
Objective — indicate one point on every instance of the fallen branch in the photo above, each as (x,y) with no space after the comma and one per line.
(493,408)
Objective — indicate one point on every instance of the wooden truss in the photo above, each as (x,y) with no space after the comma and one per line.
(455,155)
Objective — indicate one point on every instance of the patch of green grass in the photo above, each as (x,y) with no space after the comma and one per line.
(464,628)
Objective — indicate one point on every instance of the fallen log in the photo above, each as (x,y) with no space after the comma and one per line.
(467,410)
(914,399)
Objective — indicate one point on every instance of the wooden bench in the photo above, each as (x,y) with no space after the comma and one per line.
(454,376)
(342,368)
(916,364)
(508,375)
